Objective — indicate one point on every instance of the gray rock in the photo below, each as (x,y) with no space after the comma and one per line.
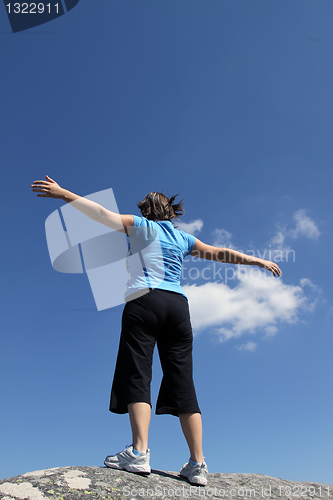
(101,483)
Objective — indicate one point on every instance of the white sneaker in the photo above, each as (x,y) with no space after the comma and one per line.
(196,474)
(126,460)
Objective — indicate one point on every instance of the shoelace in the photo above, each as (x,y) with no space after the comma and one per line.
(127,446)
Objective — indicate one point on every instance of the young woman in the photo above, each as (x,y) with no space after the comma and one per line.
(156,312)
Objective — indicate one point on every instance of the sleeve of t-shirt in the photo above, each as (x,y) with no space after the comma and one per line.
(190,242)
(137,220)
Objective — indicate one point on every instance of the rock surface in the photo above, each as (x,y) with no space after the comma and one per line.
(101,483)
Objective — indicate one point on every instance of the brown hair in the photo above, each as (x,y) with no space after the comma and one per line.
(157,206)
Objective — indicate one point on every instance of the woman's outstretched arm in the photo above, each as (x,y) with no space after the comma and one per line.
(95,211)
(229,256)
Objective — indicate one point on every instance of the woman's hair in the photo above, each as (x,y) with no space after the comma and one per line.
(157,206)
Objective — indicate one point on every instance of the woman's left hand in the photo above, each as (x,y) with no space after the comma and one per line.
(50,188)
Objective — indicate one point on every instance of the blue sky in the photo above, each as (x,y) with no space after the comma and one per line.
(230,105)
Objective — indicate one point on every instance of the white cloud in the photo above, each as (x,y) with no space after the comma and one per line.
(191,227)
(249,346)
(304,226)
(270,331)
(278,240)
(306,282)
(222,238)
(257,304)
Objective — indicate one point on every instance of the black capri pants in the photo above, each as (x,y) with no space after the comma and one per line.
(160,317)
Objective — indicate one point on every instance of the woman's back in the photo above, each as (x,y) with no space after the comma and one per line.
(156,252)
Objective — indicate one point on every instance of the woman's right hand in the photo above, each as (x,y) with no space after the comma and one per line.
(50,188)
(270,266)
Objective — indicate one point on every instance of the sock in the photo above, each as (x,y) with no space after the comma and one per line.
(136,452)
(193,463)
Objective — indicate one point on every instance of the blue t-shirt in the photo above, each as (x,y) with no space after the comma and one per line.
(156,250)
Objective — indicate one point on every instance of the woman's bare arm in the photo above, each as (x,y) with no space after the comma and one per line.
(229,256)
(94,211)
